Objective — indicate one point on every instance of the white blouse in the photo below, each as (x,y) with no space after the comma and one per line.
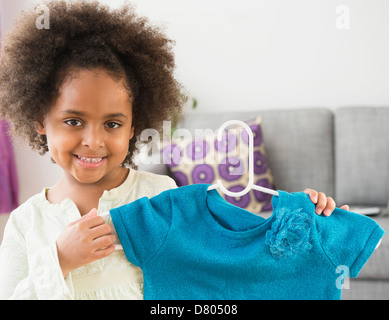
(29,267)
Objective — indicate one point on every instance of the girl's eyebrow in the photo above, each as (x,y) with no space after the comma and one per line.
(115,115)
(80,113)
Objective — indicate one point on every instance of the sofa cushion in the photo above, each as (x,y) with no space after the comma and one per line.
(362,155)
(366,290)
(204,159)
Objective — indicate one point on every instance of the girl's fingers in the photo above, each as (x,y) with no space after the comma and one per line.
(105,252)
(330,207)
(101,230)
(104,242)
(91,214)
(313,195)
(93,222)
(321,202)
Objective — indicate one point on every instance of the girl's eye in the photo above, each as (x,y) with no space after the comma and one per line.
(73,123)
(112,125)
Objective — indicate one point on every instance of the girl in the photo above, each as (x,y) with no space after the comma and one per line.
(84,90)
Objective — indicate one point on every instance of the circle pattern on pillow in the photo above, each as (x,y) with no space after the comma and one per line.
(203,173)
(242,201)
(205,160)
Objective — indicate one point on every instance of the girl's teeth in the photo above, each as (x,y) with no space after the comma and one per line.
(90,160)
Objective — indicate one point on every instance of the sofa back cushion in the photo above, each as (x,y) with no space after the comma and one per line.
(362,155)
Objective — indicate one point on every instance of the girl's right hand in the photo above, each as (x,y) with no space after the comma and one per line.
(84,241)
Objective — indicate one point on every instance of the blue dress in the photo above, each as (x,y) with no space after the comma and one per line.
(192,244)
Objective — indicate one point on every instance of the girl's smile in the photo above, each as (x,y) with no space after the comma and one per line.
(90,163)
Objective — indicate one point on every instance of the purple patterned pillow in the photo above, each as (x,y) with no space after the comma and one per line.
(205,160)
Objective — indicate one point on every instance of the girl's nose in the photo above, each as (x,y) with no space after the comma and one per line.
(93,138)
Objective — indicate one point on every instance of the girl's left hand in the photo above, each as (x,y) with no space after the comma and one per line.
(324,204)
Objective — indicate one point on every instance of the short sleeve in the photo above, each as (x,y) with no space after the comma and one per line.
(142,226)
(348,239)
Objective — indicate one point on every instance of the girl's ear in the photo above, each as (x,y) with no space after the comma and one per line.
(40,127)
(132,132)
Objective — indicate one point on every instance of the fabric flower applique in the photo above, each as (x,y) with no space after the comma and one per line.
(290,233)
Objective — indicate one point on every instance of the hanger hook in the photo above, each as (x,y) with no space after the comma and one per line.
(251,158)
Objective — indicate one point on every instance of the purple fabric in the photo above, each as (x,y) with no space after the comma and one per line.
(8,177)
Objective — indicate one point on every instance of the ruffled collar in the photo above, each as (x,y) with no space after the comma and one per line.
(108,195)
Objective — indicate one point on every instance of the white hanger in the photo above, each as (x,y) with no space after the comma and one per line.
(251,185)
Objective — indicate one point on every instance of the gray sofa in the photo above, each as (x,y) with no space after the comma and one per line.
(344,153)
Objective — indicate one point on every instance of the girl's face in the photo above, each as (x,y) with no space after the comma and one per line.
(89,127)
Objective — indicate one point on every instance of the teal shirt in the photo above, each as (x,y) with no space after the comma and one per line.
(192,244)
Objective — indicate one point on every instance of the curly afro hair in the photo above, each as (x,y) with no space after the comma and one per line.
(36,62)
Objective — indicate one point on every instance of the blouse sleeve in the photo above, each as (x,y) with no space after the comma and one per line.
(348,239)
(30,276)
(142,226)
